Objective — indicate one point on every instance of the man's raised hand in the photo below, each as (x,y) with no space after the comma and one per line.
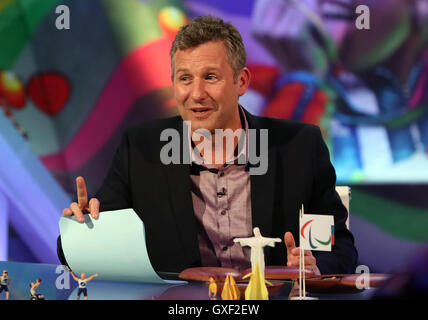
(293,255)
(78,209)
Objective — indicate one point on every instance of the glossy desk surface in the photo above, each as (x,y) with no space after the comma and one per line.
(59,285)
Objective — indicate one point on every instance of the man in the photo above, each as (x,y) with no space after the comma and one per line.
(5,283)
(82,282)
(195,211)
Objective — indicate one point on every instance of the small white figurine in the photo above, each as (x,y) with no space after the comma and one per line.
(257,243)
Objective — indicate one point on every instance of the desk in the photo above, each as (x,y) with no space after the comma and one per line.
(58,285)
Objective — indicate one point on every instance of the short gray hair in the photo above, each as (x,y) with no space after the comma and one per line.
(208,28)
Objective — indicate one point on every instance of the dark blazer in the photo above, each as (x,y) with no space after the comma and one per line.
(299,171)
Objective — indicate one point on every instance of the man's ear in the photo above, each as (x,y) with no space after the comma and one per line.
(244,79)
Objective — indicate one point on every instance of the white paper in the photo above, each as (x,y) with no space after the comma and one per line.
(113,246)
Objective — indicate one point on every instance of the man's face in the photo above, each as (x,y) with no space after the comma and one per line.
(205,89)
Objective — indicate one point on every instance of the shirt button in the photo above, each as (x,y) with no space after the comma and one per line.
(223,212)
(221,193)
(224,248)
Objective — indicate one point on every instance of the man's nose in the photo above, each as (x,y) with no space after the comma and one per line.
(198,90)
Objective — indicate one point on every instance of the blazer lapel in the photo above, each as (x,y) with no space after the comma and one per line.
(182,205)
(262,186)
(262,197)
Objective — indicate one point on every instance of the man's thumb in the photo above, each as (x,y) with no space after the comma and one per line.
(289,241)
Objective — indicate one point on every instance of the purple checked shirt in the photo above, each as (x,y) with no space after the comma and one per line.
(222,205)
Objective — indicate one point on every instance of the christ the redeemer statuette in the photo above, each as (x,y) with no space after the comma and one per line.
(257,243)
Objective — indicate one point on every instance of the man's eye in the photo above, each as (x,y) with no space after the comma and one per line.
(211,77)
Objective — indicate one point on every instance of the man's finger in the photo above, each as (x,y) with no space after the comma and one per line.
(293,261)
(94,207)
(289,242)
(67,212)
(296,252)
(82,194)
(77,212)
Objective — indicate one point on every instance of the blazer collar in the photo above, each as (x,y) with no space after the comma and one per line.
(262,186)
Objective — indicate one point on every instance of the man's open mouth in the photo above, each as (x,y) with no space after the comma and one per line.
(201,112)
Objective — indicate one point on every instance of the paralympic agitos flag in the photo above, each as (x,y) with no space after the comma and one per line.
(316,232)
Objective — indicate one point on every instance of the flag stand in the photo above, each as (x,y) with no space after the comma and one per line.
(302,273)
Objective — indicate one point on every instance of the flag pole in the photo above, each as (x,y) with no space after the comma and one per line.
(300,256)
(303,263)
